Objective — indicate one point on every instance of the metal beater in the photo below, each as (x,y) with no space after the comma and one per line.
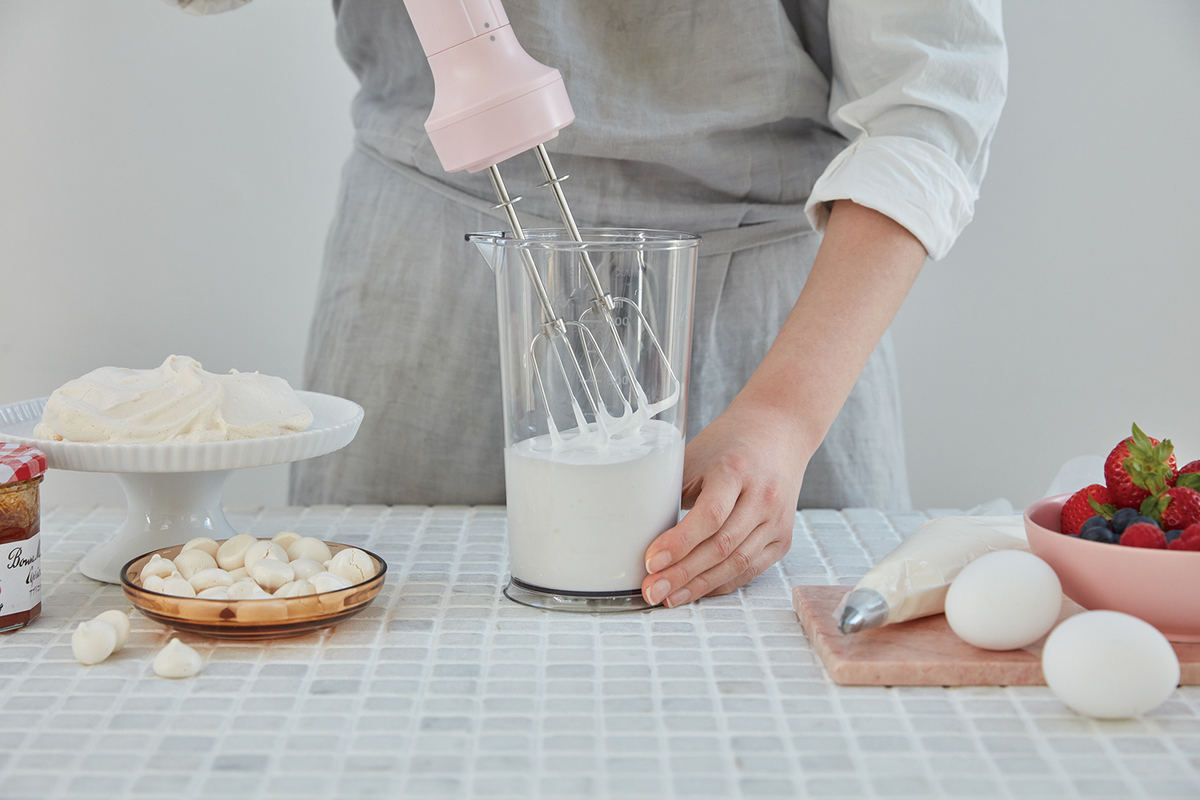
(493,101)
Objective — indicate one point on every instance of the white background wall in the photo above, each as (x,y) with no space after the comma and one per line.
(166,182)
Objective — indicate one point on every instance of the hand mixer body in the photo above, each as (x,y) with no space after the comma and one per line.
(492,100)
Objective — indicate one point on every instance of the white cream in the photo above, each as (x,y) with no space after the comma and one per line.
(176,402)
(581,517)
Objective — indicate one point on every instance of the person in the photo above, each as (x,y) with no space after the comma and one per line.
(822,150)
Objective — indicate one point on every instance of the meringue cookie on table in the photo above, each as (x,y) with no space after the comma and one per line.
(93,641)
(120,622)
(177,660)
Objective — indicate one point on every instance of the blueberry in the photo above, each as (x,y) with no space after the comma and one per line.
(1094,522)
(1173,535)
(1097,534)
(1123,519)
(1150,520)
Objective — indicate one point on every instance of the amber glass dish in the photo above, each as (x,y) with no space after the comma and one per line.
(273,618)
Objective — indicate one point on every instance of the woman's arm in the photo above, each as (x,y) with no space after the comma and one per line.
(743,472)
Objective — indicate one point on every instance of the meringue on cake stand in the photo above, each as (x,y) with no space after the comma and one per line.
(173,489)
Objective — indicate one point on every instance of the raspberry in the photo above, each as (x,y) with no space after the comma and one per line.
(1143,534)
(1185,544)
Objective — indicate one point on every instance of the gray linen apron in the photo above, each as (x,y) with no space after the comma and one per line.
(699,115)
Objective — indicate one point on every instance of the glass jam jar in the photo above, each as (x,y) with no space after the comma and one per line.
(21,470)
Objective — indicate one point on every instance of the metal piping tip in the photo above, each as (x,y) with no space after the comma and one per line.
(862,609)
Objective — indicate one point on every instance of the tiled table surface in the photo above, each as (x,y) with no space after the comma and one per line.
(443,688)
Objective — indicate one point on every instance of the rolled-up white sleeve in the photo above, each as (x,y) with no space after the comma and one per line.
(917,88)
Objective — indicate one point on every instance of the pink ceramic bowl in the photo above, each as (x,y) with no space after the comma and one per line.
(1160,586)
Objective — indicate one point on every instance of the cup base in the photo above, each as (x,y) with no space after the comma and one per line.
(576,602)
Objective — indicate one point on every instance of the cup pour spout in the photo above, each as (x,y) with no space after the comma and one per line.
(488,248)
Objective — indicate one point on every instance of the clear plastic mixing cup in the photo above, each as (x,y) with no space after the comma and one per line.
(595,398)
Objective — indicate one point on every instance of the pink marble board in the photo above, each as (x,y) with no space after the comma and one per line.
(925,652)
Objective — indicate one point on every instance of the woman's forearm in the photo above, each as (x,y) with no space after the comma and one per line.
(863,270)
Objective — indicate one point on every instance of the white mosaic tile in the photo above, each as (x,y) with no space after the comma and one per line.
(443,688)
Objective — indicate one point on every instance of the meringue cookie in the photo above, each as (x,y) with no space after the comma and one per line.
(328,582)
(271,574)
(263,548)
(93,641)
(120,622)
(298,588)
(309,547)
(352,564)
(157,565)
(205,543)
(176,585)
(285,538)
(208,578)
(177,660)
(232,552)
(306,568)
(246,589)
(153,584)
(192,561)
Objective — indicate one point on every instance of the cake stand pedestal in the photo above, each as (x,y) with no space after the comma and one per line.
(161,510)
(173,489)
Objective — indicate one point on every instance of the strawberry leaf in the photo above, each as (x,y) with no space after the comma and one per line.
(1105,510)
(1154,505)
(1189,479)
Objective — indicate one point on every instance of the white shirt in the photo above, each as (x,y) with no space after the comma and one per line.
(917,87)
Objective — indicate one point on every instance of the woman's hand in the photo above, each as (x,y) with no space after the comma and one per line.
(741,480)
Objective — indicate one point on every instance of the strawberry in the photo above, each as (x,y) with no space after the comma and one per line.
(1090,501)
(1189,475)
(1175,508)
(1137,468)
(1143,534)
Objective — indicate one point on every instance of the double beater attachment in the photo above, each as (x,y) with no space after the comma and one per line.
(615,403)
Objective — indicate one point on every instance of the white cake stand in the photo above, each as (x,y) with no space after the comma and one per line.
(173,489)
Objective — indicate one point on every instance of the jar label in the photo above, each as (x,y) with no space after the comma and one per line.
(20,575)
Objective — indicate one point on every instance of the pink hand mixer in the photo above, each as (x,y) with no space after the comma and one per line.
(492,101)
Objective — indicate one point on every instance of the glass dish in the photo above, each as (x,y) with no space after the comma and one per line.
(274,618)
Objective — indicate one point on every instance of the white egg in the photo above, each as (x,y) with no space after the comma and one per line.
(1004,600)
(1109,665)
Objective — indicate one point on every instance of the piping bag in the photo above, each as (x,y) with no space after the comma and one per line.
(912,580)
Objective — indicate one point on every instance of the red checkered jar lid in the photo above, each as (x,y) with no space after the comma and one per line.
(20,462)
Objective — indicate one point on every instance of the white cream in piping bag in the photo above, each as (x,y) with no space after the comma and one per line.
(912,580)
(176,402)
